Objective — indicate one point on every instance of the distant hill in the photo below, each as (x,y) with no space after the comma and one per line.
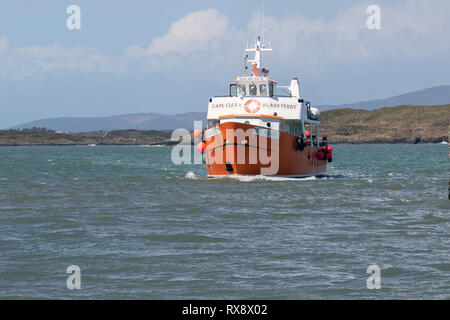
(428,97)
(155,121)
(402,124)
(115,137)
(138,121)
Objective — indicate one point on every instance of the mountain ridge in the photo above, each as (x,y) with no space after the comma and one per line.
(401,124)
(138,121)
(438,95)
(433,96)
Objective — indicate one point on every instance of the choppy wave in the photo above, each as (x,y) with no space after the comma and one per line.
(135,226)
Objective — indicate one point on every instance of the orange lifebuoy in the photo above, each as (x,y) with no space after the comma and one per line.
(201,146)
(197,133)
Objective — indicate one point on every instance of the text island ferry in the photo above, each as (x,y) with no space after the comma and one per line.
(255,131)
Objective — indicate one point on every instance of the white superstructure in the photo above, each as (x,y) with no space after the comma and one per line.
(253,99)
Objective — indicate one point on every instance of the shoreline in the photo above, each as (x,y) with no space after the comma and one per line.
(168,144)
(85,144)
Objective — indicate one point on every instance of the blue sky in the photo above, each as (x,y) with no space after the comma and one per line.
(171,56)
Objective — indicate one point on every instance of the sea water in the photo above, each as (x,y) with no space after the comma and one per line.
(140,227)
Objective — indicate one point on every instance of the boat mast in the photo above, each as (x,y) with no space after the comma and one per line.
(256,62)
(258,47)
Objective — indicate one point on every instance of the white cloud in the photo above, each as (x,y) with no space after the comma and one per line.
(19,63)
(404,28)
(134,52)
(54,57)
(206,38)
(3,44)
(194,32)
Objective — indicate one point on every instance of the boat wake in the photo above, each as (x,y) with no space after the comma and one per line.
(244,178)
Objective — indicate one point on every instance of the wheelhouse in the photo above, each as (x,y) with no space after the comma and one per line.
(253,100)
(253,87)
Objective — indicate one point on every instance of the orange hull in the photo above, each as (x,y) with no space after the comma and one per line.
(252,152)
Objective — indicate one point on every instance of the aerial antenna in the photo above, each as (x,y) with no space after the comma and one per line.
(257,48)
(263,23)
(257,22)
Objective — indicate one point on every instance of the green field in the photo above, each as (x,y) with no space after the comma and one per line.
(402,124)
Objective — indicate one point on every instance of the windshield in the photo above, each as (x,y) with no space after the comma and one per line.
(263,89)
(241,90)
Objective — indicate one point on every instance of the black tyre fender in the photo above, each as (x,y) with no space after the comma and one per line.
(300,144)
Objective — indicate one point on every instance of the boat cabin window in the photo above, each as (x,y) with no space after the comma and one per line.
(263,89)
(252,89)
(241,90)
(271,87)
(233,90)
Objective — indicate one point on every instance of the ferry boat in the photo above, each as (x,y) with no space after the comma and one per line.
(256,131)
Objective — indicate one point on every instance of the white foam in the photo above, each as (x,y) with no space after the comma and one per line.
(191,175)
(245,178)
(251,178)
(392,174)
